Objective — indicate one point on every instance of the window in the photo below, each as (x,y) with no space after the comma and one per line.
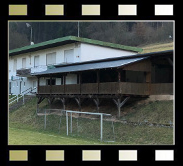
(24,84)
(48,81)
(23,62)
(69,56)
(34,84)
(51,58)
(36,61)
(15,65)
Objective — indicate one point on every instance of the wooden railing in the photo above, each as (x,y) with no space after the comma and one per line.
(135,88)
(109,88)
(43,89)
(90,88)
(162,88)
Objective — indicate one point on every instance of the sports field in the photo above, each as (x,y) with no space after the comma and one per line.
(26,128)
(27,137)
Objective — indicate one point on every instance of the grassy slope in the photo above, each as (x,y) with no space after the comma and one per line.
(25,118)
(160,112)
(157,47)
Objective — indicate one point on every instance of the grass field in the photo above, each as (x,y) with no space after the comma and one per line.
(26,128)
(28,137)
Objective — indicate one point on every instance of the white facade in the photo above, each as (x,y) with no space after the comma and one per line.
(94,52)
(70,53)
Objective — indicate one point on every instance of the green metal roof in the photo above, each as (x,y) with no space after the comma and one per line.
(67,40)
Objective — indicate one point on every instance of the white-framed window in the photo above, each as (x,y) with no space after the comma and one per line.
(36,61)
(69,56)
(15,65)
(34,84)
(51,58)
(23,63)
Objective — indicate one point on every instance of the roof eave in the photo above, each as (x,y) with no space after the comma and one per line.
(67,40)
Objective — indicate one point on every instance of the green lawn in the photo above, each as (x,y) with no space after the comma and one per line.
(26,128)
(28,137)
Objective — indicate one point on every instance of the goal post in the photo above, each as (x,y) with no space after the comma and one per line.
(90,125)
(101,115)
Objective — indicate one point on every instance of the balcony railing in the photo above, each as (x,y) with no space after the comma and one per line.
(28,71)
(127,88)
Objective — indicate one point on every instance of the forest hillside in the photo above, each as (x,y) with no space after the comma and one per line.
(125,33)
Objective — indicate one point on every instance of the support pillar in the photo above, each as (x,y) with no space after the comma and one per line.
(97,102)
(119,76)
(63,102)
(79,101)
(50,101)
(120,103)
(148,80)
(64,81)
(170,61)
(98,80)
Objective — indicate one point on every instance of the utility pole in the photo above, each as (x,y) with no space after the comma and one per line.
(28,25)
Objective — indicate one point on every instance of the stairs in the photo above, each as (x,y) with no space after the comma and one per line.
(18,100)
(18,104)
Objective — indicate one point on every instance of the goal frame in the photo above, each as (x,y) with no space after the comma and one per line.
(90,113)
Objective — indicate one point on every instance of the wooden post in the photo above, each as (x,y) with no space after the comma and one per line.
(148,80)
(63,102)
(97,102)
(119,80)
(119,104)
(123,76)
(79,101)
(98,80)
(119,76)
(148,77)
(64,81)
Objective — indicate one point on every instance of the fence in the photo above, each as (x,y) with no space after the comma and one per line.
(81,124)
